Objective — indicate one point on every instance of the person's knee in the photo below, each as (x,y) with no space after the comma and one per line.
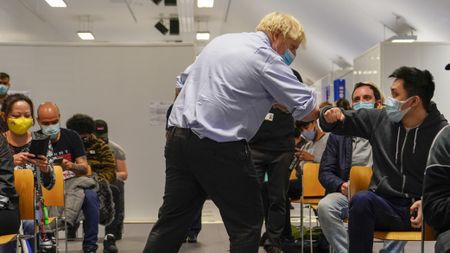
(443,242)
(361,201)
(327,206)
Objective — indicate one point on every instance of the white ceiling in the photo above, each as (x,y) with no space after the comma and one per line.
(337,30)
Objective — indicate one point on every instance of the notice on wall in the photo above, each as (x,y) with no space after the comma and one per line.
(157,112)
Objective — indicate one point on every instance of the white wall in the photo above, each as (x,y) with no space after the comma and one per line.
(116,83)
(385,57)
(367,67)
(431,56)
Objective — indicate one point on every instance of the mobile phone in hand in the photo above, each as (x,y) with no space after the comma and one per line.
(58,161)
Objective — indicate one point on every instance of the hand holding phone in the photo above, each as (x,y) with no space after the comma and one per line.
(58,161)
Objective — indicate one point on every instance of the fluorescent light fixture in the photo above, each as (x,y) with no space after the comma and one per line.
(205,3)
(202,36)
(86,35)
(403,38)
(56,3)
(186,15)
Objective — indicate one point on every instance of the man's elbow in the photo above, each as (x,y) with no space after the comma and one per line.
(313,115)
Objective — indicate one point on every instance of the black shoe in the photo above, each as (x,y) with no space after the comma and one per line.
(47,245)
(92,249)
(118,237)
(109,244)
(272,249)
(192,238)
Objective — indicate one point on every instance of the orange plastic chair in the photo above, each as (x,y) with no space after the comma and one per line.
(360,177)
(359,180)
(24,184)
(55,197)
(312,193)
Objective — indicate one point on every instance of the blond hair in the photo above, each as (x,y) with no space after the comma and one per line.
(278,22)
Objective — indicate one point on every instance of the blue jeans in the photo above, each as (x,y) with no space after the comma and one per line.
(91,220)
(369,211)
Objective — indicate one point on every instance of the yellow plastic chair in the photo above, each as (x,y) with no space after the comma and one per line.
(24,184)
(360,177)
(55,198)
(312,193)
(359,181)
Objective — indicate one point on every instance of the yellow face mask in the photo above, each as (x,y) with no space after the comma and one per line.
(19,125)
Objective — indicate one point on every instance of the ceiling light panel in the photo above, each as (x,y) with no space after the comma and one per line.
(56,3)
(205,3)
(86,35)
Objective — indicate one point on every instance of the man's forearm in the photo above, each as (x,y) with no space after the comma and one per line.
(79,169)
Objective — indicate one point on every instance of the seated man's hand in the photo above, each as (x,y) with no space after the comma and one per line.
(66,164)
(305,156)
(416,220)
(22,158)
(41,162)
(344,188)
(333,115)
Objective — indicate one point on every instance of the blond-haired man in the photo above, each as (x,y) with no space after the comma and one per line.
(227,93)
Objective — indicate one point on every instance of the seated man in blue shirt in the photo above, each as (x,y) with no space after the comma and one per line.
(228,91)
(400,136)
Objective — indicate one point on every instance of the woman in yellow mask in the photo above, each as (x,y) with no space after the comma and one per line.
(19,116)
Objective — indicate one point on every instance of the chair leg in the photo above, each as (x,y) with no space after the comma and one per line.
(301,225)
(422,241)
(56,232)
(310,231)
(67,233)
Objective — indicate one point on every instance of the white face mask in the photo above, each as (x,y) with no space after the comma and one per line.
(394,109)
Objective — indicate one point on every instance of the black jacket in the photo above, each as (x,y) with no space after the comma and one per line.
(276,134)
(336,162)
(7,190)
(399,156)
(436,191)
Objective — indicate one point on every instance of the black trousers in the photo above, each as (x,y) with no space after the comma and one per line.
(274,194)
(9,221)
(116,227)
(196,168)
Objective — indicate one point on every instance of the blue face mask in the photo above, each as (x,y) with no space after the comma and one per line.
(364,105)
(3,89)
(394,109)
(51,130)
(288,57)
(309,135)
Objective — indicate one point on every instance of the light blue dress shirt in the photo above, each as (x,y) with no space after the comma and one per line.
(231,86)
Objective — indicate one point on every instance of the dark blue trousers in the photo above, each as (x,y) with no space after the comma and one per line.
(369,212)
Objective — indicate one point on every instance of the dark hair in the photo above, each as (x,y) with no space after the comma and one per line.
(324,103)
(343,103)
(376,91)
(4,75)
(81,123)
(10,100)
(416,83)
(302,124)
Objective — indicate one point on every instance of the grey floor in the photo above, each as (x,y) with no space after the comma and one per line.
(212,239)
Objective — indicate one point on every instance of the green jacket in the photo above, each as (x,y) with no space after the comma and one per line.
(100,158)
